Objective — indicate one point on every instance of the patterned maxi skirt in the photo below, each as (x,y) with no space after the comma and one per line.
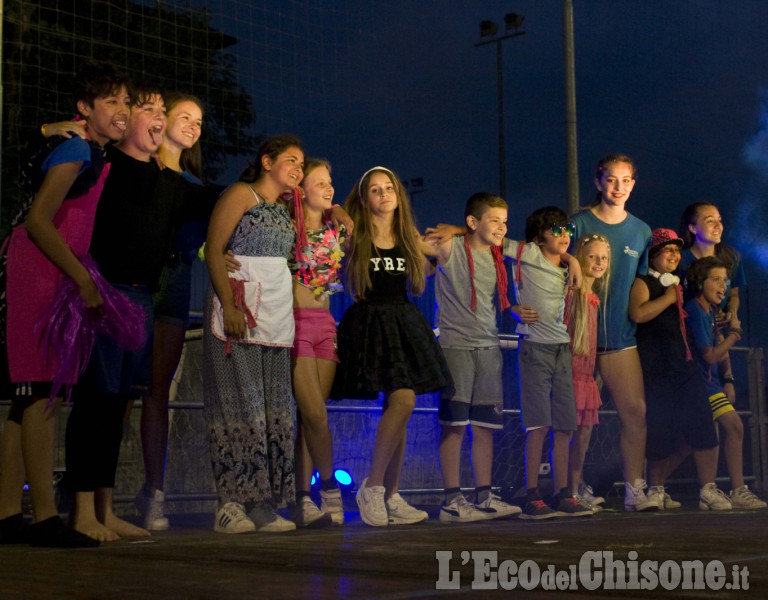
(250,413)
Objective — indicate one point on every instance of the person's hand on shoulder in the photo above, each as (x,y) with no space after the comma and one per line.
(441,233)
(65,129)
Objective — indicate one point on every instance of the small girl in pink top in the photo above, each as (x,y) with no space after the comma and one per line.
(594,255)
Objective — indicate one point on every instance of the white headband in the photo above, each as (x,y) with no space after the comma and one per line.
(360,185)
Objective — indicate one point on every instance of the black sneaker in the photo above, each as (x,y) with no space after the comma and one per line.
(568,506)
(13,530)
(536,509)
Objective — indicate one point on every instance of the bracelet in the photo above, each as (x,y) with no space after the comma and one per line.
(736,333)
(42,129)
(729,380)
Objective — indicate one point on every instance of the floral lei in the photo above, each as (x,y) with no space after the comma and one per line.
(320,269)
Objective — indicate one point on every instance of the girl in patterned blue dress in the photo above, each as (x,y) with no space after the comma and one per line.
(248,334)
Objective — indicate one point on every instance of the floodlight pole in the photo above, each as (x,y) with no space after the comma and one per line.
(500,100)
(572,170)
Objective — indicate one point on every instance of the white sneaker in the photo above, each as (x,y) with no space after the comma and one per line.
(587,495)
(370,501)
(635,498)
(596,508)
(656,494)
(266,520)
(402,513)
(151,509)
(231,518)
(670,504)
(742,497)
(494,508)
(460,510)
(331,503)
(711,498)
(306,514)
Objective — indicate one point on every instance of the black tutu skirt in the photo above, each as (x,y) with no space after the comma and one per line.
(385,345)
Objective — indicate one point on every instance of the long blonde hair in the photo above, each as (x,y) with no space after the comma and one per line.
(357,272)
(578,324)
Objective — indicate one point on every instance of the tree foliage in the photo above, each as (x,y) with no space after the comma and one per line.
(44,44)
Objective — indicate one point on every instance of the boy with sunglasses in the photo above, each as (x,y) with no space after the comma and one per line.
(544,357)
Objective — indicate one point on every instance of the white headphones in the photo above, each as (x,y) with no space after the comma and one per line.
(665,279)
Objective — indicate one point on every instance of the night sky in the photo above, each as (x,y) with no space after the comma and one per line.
(679,86)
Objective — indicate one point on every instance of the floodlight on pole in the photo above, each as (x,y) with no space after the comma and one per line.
(489,29)
(513,21)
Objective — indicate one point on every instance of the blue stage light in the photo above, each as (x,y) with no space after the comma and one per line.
(342,477)
(344,480)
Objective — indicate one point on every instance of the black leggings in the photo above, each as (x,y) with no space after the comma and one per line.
(94,434)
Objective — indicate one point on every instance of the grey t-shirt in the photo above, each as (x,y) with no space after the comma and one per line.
(460,326)
(543,287)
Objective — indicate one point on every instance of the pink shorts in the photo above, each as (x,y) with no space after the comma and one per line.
(315,334)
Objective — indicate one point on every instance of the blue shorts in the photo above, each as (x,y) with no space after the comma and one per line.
(115,370)
(478,397)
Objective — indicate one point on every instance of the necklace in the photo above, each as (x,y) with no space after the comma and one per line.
(382,262)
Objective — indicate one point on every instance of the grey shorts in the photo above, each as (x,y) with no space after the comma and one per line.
(478,397)
(546,386)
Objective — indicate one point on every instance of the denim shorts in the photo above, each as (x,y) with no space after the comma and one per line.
(115,370)
(172,299)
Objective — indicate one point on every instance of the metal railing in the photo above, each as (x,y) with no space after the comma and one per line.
(353,427)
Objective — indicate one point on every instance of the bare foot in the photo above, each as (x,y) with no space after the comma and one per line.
(92,528)
(124,528)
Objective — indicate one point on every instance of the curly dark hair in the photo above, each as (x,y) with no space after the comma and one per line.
(542,219)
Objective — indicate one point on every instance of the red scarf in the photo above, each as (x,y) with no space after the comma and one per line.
(501,275)
(301,227)
(682,314)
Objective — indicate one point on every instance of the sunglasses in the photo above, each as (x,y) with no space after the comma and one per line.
(558,230)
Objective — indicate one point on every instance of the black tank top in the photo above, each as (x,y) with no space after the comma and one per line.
(388,275)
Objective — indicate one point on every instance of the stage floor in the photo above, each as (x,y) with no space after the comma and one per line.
(190,561)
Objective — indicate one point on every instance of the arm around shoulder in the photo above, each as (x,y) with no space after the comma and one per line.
(641,308)
(226,214)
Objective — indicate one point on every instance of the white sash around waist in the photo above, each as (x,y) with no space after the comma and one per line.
(267,296)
